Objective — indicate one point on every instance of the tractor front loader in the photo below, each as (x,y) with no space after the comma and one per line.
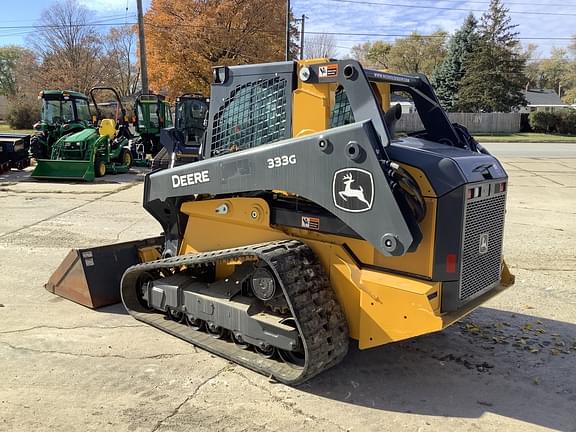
(92,152)
(62,113)
(306,222)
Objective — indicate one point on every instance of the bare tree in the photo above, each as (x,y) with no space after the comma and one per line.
(124,70)
(374,54)
(320,45)
(70,49)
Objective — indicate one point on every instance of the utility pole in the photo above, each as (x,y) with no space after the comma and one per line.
(143,64)
(287,29)
(302,36)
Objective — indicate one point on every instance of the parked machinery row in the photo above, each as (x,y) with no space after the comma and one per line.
(71,143)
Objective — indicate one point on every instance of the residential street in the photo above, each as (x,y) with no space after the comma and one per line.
(532,150)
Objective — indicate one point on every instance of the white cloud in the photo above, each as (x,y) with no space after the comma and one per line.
(106,6)
(113,6)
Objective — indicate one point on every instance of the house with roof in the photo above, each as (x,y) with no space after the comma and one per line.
(543,100)
(405,102)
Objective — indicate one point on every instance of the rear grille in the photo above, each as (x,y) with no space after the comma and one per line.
(482,244)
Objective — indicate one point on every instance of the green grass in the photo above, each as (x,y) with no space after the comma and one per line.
(4,128)
(526,137)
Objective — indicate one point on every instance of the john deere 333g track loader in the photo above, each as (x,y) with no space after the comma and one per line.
(306,222)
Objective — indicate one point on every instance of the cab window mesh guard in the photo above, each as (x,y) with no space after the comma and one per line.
(253,114)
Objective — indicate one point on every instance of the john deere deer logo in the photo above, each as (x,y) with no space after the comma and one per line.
(353,190)
(350,192)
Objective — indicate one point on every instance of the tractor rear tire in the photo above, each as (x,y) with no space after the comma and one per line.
(37,148)
(99,168)
(127,158)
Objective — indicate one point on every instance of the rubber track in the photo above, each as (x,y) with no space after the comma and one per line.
(319,318)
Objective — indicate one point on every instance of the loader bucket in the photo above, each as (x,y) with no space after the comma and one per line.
(92,276)
(64,170)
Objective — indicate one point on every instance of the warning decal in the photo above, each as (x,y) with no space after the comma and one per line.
(311,223)
(328,71)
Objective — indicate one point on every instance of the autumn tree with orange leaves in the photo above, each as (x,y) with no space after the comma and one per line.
(186,38)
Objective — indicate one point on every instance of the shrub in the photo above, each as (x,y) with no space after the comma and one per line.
(567,122)
(541,121)
(23,115)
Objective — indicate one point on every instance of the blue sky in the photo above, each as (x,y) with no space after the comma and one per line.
(534,18)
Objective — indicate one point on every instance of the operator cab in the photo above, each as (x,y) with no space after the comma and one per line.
(191,110)
(61,107)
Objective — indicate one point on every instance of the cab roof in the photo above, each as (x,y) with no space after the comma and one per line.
(58,94)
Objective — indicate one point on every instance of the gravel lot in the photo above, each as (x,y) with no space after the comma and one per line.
(509,366)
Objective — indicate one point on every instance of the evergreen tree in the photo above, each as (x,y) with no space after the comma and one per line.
(494,73)
(447,76)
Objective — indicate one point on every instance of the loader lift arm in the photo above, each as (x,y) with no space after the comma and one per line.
(396,233)
(383,224)
(386,224)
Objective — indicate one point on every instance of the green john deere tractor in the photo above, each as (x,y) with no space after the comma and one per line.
(63,113)
(92,152)
(152,114)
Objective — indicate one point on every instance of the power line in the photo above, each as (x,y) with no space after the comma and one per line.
(98,23)
(452,9)
(427,36)
(106,24)
(100,18)
(568,38)
(21,30)
(506,3)
(126,14)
